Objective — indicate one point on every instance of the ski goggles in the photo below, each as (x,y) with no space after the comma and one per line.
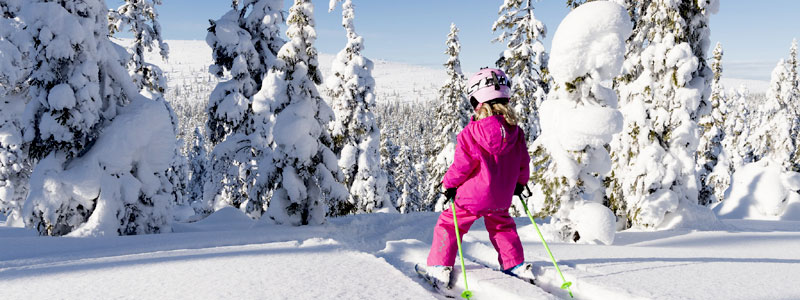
(489,81)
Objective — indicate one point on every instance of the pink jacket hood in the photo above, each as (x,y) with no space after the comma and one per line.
(494,135)
(490,159)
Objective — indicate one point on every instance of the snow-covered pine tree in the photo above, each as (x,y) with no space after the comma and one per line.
(738,142)
(736,151)
(389,153)
(305,178)
(422,147)
(89,126)
(408,181)
(142,18)
(15,68)
(451,114)
(579,116)
(663,91)
(245,42)
(712,125)
(776,118)
(793,96)
(524,61)
(198,163)
(356,135)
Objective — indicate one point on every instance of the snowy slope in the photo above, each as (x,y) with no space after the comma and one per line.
(189,60)
(371,257)
(755,86)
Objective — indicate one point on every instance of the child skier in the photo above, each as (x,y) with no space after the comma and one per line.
(490,166)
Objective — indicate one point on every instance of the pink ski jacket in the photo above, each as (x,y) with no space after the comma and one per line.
(491,158)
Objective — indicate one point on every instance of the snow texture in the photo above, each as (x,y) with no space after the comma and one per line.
(590,45)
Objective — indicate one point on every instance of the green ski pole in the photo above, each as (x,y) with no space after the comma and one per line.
(567,284)
(466,294)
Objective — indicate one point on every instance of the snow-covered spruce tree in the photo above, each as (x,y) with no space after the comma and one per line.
(198,163)
(451,114)
(305,178)
(579,117)
(245,42)
(738,142)
(142,19)
(389,153)
(736,150)
(356,135)
(89,127)
(524,60)
(663,91)
(709,151)
(793,96)
(776,117)
(15,68)
(422,145)
(408,181)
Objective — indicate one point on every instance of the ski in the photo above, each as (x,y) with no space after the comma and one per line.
(528,268)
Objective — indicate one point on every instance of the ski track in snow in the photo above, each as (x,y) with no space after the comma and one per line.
(266,271)
(372,257)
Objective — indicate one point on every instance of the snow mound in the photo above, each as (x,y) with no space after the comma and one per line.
(314,242)
(183,213)
(595,223)
(61,96)
(576,127)
(228,215)
(690,216)
(762,191)
(590,40)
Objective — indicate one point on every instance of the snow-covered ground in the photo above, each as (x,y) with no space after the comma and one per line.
(372,257)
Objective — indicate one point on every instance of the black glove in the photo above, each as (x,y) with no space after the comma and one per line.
(518,190)
(450,193)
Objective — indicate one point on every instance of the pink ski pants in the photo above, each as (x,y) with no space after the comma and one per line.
(502,232)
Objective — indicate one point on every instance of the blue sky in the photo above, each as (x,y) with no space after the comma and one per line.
(754,34)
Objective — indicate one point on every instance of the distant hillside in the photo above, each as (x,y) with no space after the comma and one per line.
(189,60)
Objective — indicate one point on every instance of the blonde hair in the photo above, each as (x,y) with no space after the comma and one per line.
(488,110)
